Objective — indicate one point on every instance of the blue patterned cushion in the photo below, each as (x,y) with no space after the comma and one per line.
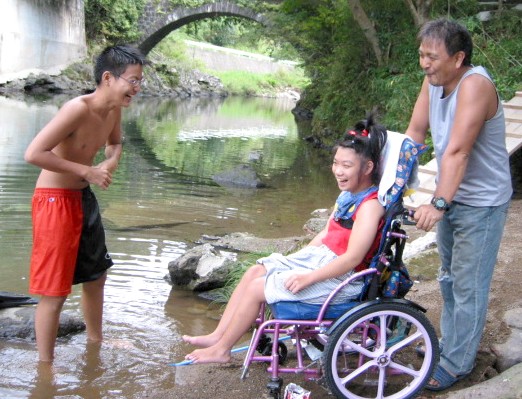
(410,151)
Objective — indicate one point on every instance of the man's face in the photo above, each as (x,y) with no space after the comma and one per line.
(440,68)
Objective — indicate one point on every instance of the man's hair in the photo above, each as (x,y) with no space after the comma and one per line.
(454,36)
(115,60)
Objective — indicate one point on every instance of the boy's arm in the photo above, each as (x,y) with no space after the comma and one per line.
(40,153)
(113,147)
(65,122)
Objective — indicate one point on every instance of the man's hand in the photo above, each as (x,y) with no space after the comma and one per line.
(297,282)
(426,216)
(99,176)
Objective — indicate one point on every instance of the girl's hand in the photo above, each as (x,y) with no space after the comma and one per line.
(297,282)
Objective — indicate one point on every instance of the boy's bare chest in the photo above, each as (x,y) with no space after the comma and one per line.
(89,138)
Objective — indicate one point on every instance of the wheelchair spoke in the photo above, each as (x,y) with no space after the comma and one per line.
(405,342)
(357,372)
(356,347)
(384,334)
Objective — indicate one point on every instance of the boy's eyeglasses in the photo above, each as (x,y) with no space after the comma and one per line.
(133,82)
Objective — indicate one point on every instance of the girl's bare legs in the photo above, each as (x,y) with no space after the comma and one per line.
(246,312)
(237,296)
(46,323)
(92,307)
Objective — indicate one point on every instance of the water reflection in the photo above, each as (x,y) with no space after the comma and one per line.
(162,199)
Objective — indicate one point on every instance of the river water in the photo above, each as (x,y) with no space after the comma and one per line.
(163,199)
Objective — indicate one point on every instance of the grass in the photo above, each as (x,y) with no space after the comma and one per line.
(251,84)
(223,294)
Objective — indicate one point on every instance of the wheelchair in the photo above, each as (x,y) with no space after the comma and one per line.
(360,349)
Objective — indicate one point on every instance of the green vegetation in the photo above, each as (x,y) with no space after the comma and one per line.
(223,294)
(247,83)
(112,21)
(347,78)
(347,73)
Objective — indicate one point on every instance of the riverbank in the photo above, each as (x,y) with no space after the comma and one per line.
(222,382)
(162,79)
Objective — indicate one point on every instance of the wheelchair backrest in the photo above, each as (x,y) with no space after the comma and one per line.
(399,166)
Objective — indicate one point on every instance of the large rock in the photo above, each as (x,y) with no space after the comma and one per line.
(242,176)
(507,385)
(19,323)
(248,243)
(202,268)
(510,352)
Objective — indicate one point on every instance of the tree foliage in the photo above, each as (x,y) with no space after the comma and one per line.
(112,21)
(357,54)
(356,64)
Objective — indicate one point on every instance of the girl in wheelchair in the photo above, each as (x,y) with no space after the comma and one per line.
(346,245)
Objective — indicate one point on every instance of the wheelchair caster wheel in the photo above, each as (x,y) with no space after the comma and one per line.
(274,386)
(265,348)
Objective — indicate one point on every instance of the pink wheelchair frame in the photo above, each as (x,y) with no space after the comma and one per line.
(361,349)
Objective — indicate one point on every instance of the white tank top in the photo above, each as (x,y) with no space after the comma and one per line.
(487,181)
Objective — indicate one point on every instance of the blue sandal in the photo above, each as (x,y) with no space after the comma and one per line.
(443,379)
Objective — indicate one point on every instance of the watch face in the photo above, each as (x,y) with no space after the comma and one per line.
(440,203)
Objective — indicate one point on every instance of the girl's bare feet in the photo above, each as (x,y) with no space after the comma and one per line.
(212,354)
(203,341)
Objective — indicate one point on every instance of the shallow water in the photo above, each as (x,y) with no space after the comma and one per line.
(163,199)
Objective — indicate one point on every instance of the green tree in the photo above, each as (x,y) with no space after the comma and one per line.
(361,55)
(112,21)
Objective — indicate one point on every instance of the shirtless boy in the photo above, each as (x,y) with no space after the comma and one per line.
(68,236)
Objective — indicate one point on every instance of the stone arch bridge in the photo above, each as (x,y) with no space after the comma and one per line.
(159,19)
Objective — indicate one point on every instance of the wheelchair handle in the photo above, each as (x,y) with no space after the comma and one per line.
(408,217)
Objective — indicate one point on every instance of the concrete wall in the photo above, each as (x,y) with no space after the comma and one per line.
(40,35)
(224,59)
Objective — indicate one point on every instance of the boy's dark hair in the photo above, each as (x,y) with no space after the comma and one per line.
(368,139)
(115,60)
(454,36)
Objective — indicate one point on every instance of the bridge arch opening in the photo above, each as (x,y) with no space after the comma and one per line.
(156,26)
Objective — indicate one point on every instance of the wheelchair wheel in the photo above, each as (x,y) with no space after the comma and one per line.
(372,353)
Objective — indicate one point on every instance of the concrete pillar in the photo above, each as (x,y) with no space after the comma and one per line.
(40,35)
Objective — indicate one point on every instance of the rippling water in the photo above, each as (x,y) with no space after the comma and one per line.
(163,199)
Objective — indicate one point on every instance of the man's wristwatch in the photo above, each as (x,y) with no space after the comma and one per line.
(440,203)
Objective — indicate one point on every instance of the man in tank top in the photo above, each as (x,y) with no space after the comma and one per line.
(459,103)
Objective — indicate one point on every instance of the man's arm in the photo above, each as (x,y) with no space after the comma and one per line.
(476,97)
(476,103)
(419,121)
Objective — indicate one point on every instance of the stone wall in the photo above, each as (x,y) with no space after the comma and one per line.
(223,59)
(40,35)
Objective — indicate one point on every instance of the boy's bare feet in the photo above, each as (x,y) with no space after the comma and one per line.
(212,354)
(203,341)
